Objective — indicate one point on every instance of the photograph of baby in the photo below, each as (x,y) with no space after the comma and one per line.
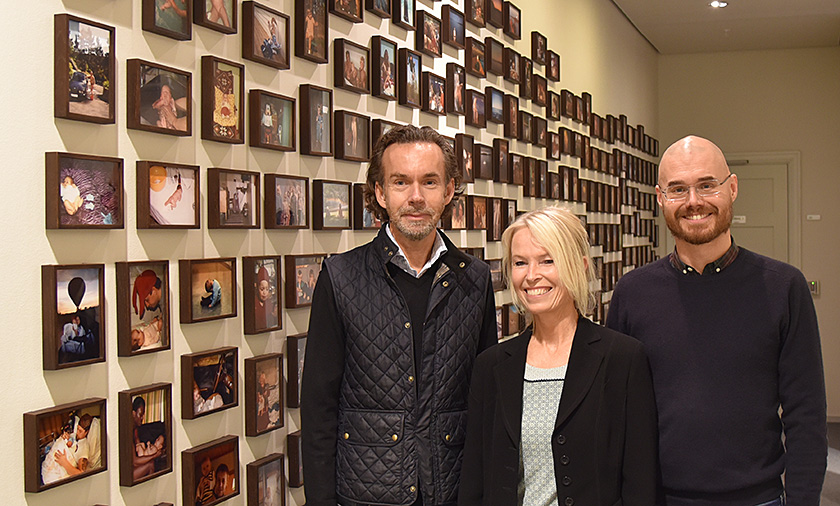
(172,15)
(237,198)
(70,443)
(290,202)
(89,192)
(149,325)
(264,401)
(213,468)
(79,307)
(214,381)
(212,289)
(262,275)
(269,37)
(151,436)
(172,192)
(164,98)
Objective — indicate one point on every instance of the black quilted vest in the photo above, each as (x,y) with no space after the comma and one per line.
(401,431)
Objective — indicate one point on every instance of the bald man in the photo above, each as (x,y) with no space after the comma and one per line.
(732,337)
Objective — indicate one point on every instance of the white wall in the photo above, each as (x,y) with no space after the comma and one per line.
(766,101)
(601,53)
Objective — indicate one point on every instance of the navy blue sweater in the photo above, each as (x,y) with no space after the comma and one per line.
(726,350)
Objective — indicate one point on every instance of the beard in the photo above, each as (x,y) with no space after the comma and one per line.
(722,220)
(415,230)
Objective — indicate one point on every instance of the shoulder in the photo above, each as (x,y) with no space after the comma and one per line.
(640,276)
(498,352)
(769,266)
(615,342)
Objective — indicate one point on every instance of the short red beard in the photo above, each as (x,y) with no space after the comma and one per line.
(723,220)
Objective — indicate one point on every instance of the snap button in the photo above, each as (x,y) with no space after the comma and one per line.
(717,269)
(564,460)
(408,325)
(569,501)
(445,284)
(685,271)
(346,435)
(390,253)
(561,439)
(462,265)
(411,379)
(448,437)
(394,437)
(567,481)
(412,488)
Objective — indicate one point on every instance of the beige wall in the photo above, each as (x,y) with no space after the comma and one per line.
(600,51)
(766,101)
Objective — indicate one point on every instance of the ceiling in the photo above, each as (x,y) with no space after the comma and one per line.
(692,26)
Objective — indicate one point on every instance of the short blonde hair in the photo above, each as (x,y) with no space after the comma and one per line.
(565,239)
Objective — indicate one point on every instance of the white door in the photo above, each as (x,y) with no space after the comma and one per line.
(760,213)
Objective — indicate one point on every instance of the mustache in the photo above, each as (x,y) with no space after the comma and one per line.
(415,210)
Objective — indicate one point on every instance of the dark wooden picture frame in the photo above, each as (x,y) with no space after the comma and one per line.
(517,169)
(513,21)
(73,315)
(311,28)
(49,426)
(527,73)
(476,212)
(267,480)
(381,8)
(316,111)
(83,191)
(539,127)
(378,128)
(428,38)
(324,194)
(474,58)
(271,121)
(494,56)
(233,198)
(85,85)
(168,195)
(496,276)
(475,109)
(362,218)
(224,22)
(222,456)
(352,11)
(295,354)
(513,69)
(496,13)
(539,90)
(483,156)
(474,12)
(220,302)
(222,100)
(552,71)
(539,47)
(175,23)
(464,144)
(456,78)
(434,93)
(265,35)
(299,288)
(159,98)
(555,145)
(553,106)
(457,219)
(402,13)
(144,316)
(145,448)
(453,33)
(352,136)
(410,66)
(286,202)
(383,68)
(501,161)
(264,391)
(346,74)
(494,101)
(261,294)
(294,450)
(511,117)
(495,218)
(209,382)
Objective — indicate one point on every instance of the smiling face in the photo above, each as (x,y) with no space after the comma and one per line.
(264,290)
(536,279)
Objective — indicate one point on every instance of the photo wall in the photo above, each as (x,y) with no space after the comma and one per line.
(249,127)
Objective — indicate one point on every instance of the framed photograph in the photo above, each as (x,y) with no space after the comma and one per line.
(71,435)
(381,8)
(510,212)
(72,315)
(210,472)
(207,289)
(453,26)
(145,433)
(464,144)
(352,136)
(457,220)
(89,191)
(143,311)
(84,70)
(378,128)
(272,120)
(567,104)
(362,218)
(434,88)
(512,22)
(263,394)
(474,58)
(542,178)
(512,66)
(540,90)
(383,68)
(495,56)
(525,86)
(209,382)
(409,78)
(170,18)
(475,11)
(219,15)
(495,219)
(222,100)
(295,354)
(427,34)
(330,205)
(475,113)
(483,155)
(286,202)
(476,252)
(496,13)
(160,98)
(553,70)
(496,274)
(167,195)
(581,113)
(540,132)
(267,481)
(402,13)
(351,10)
(261,294)
(495,104)
(265,35)
(350,63)
(476,212)
(539,47)
(233,198)
(553,106)
(315,117)
(294,450)
(501,165)
(554,144)
(301,275)
(511,116)
(456,78)
(517,169)
(531,186)
(311,23)
(554,186)
(525,132)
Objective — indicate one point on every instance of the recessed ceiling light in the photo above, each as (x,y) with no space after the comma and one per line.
(718,4)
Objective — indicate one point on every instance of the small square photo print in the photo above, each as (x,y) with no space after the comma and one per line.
(143,315)
(210,472)
(167,195)
(84,191)
(209,382)
(207,289)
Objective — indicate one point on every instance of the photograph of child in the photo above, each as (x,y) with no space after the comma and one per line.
(89,68)
(151,449)
(458,80)
(436,88)
(413,79)
(459,214)
(388,69)
(149,330)
(212,291)
(226,122)
(319,122)
(217,473)
(164,98)
(89,195)
(431,35)
(214,382)
(79,313)
(349,8)
(269,412)
(171,15)
(269,39)
(290,202)
(266,299)
(356,143)
(70,443)
(237,195)
(276,118)
(355,67)
(172,195)
(314,29)
(307,270)
(479,213)
(336,209)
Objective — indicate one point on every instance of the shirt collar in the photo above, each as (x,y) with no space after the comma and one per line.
(711,268)
(400,260)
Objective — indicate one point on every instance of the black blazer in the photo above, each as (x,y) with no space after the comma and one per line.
(605,438)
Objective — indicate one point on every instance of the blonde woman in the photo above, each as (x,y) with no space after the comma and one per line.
(564,413)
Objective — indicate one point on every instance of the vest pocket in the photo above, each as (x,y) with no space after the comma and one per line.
(452,427)
(371,428)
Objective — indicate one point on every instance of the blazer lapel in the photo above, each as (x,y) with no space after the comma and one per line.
(510,373)
(584,362)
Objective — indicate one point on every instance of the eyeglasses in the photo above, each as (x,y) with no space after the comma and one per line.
(706,188)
